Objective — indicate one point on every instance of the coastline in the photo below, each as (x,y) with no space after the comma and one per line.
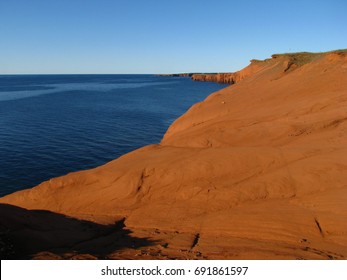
(273,140)
(223,78)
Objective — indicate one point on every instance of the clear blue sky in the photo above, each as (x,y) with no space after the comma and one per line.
(128,36)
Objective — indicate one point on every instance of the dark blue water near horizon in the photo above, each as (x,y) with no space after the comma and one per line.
(51,125)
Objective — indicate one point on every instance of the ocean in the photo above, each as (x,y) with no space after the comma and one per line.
(51,125)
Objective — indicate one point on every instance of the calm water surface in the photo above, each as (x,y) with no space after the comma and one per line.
(51,125)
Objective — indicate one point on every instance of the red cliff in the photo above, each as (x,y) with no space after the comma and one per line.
(255,171)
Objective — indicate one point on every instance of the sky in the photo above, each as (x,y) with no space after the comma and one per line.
(161,36)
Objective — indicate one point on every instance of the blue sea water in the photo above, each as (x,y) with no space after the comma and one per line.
(51,125)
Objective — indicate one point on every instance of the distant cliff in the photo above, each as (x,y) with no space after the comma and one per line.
(292,61)
(225,78)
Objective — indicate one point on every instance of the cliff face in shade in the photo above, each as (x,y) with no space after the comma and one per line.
(225,78)
(257,170)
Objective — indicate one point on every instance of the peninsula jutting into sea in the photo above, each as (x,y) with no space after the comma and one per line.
(255,171)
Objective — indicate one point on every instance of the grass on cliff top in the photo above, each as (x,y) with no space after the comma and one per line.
(301,58)
(309,53)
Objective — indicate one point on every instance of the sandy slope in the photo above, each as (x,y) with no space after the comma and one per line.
(258,171)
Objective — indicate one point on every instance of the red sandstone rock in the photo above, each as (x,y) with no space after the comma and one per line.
(257,170)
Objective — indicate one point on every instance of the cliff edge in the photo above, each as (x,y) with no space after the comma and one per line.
(255,171)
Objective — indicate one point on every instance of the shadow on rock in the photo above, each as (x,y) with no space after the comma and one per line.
(26,234)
